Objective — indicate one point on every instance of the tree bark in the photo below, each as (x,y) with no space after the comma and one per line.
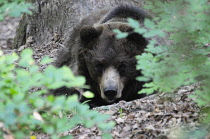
(59,16)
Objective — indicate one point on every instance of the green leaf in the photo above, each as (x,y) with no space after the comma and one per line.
(151,33)
(120,34)
(133,23)
(1,17)
(151,84)
(149,24)
(67,73)
(88,123)
(15,9)
(88,94)
(106,136)
(12,58)
(72,98)
(49,129)
(78,82)
(106,126)
(66,137)
(140,30)
(147,91)
(143,79)
(26,58)
(33,69)
(26,53)
(46,60)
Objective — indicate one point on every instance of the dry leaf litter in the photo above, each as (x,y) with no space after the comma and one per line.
(162,116)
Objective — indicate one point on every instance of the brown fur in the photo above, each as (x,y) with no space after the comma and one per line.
(92,47)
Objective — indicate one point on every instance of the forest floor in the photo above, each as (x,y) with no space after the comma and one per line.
(162,115)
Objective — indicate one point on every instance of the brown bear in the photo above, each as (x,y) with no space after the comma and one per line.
(109,64)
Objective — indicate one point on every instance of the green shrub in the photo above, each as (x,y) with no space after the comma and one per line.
(24,111)
(14,8)
(185,61)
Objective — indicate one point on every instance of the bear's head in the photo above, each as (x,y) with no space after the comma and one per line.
(110,62)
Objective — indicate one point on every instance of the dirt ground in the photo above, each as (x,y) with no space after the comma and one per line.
(162,116)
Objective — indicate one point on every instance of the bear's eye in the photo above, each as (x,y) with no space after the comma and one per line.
(122,69)
(122,66)
(99,67)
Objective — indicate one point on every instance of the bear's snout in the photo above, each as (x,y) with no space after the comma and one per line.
(110,92)
(111,85)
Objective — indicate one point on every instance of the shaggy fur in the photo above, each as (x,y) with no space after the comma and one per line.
(92,47)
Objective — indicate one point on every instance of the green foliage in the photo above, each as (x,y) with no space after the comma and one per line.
(189,133)
(120,34)
(24,110)
(88,94)
(14,8)
(185,60)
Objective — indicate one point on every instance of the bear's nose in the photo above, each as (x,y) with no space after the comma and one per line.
(110,92)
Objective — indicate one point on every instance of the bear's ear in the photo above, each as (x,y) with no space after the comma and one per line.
(88,33)
(138,39)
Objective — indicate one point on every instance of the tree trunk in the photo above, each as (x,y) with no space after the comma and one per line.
(59,16)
